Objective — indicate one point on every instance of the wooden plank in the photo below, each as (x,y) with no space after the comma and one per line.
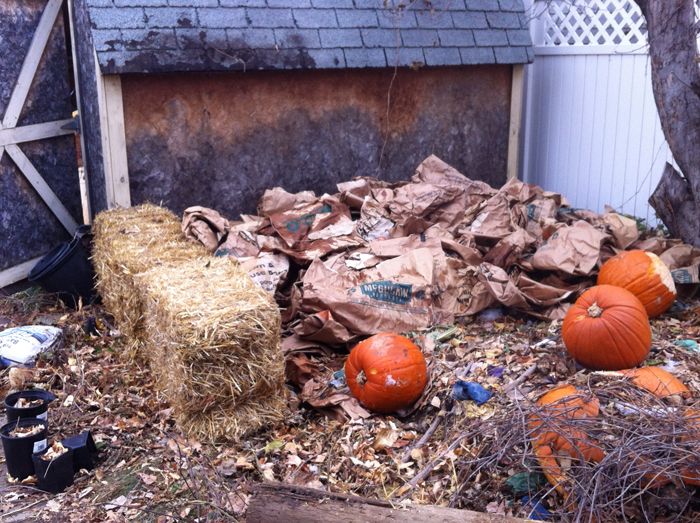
(41,187)
(516,111)
(111,105)
(84,175)
(278,502)
(31,63)
(117,140)
(30,133)
(17,273)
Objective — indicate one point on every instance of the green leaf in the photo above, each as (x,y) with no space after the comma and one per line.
(273,445)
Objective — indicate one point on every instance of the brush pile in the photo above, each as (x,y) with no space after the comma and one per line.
(211,336)
(636,459)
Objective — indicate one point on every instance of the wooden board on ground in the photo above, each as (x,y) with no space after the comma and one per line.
(276,502)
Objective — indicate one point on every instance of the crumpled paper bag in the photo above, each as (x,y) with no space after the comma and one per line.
(572,249)
(205,226)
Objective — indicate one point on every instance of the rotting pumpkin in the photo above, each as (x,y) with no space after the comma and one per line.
(657,381)
(557,438)
(644,275)
(386,372)
(607,329)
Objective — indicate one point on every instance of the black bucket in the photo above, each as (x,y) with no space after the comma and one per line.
(84,450)
(40,411)
(54,475)
(18,451)
(67,271)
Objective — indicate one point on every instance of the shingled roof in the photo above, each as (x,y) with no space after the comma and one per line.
(213,35)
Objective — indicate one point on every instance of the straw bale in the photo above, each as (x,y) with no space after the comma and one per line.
(233,424)
(128,241)
(214,344)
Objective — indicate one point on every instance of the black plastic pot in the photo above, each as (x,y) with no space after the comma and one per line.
(40,411)
(67,270)
(55,475)
(84,450)
(18,451)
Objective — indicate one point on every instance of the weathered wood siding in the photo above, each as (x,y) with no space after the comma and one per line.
(27,227)
(90,117)
(221,139)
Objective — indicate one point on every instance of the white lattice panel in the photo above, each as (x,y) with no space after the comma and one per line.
(593,22)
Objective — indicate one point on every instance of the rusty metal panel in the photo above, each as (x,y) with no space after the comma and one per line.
(221,139)
(27,227)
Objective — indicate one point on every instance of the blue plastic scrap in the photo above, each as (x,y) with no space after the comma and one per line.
(690,345)
(537,511)
(471,391)
(338,381)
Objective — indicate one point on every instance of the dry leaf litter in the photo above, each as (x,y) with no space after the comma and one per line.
(445,452)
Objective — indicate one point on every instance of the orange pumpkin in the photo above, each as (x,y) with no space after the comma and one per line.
(563,403)
(607,329)
(567,401)
(386,372)
(691,471)
(644,275)
(657,381)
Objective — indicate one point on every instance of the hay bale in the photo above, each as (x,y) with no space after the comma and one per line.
(128,241)
(213,341)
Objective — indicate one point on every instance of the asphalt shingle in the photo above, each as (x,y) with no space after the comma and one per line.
(260,34)
(314,18)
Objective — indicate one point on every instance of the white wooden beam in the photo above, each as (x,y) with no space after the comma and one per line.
(31,63)
(620,50)
(111,105)
(516,111)
(41,187)
(17,273)
(30,133)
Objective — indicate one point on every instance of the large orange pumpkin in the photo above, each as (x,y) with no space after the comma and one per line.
(607,329)
(386,372)
(657,381)
(644,275)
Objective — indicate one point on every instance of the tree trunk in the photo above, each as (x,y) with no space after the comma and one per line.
(671,33)
(675,205)
(280,503)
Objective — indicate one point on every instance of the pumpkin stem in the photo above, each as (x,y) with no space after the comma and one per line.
(361,378)
(594,311)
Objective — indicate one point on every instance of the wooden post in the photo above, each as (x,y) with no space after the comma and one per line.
(278,502)
(17,273)
(109,94)
(516,109)
(82,171)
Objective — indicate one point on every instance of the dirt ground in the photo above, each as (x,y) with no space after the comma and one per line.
(148,471)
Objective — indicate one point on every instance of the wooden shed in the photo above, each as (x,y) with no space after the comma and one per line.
(210,102)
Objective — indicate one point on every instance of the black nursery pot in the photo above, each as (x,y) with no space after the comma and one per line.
(40,411)
(55,475)
(84,450)
(18,451)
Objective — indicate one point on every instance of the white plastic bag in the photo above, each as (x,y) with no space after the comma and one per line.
(21,345)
